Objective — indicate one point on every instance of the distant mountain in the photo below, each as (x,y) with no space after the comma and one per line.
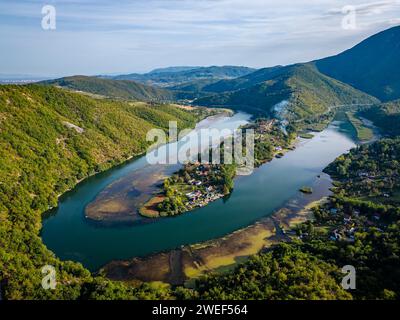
(122,89)
(299,91)
(243,82)
(20,78)
(372,66)
(170,77)
(196,86)
(173,69)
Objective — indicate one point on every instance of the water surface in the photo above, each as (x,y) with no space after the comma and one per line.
(72,237)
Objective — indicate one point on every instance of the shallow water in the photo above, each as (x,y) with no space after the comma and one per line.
(72,237)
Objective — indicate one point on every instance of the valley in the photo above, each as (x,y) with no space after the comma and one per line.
(77,192)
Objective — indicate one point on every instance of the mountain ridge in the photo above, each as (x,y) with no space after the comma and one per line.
(372,66)
(302,85)
(165,78)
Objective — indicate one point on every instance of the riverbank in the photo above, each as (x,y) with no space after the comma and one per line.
(183,265)
(119,201)
(194,186)
(223,254)
(197,184)
(365,132)
(255,196)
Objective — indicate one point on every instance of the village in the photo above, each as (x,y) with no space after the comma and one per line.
(202,182)
(341,224)
(269,139)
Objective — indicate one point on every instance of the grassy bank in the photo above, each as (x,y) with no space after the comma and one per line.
(363,133)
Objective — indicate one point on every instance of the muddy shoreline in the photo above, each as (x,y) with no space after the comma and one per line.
(182,265)
(120,202)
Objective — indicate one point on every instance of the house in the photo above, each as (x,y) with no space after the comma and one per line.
(193,195)
(333,211)
(335,235)
(352,230)
(347,220)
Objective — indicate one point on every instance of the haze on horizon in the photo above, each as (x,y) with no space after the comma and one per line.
(121,36)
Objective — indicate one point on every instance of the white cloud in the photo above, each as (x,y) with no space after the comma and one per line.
(126,36)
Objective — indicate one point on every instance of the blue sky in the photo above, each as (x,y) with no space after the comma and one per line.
(121,36)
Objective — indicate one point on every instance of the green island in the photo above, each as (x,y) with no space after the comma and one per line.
(306,190)
(193,186)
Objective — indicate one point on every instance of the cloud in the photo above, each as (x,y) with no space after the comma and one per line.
(369,8)
(128,36)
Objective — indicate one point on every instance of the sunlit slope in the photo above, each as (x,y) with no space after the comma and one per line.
(372,66)
(121,89)
(308,92)
(49,139)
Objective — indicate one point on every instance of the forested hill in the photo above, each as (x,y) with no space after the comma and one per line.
(307,91)
(176,76)
(372,66)
(121,89)
(245,81)
(49,139)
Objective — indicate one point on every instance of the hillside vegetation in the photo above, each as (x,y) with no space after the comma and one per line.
(168,77)
(50,139)
(358,226)
(243,82)
(371,66)
(124,89)
(308,92)
(386,116)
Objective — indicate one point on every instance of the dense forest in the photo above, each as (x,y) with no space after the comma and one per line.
(176,76)
(371,66)
(122,89)
(49,140)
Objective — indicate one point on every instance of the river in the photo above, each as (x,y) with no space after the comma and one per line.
(71,236)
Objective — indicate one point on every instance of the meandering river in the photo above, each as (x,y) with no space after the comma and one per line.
(71,236)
